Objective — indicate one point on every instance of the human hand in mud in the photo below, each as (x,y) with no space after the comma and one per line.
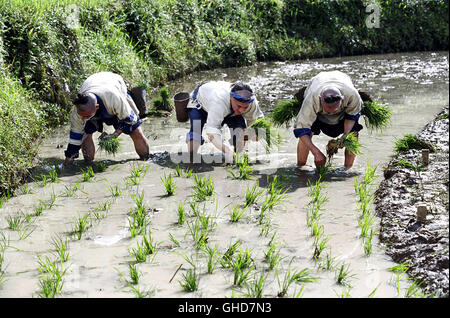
(319,159)
(105,136)
(68,162)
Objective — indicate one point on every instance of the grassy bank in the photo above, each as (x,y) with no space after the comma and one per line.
(47,48)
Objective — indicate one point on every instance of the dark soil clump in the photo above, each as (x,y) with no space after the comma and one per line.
(407,185)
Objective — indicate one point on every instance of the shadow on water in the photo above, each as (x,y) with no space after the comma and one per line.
(293,178)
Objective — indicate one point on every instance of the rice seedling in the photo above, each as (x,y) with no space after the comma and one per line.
(272,256)
(15,222)
(244,170)
(256,287)
(266,226)
(181,213)
(343,275)
(109,145)
(252,194)
(53,175)
(190,281)
(51,282)
(174,241)
(241,274)
(139,253)
(139,170)
(213,257)
(25,232)
(368,244)
(169,184)
(195,208)
(203,188)
(81,225)
(135,274)
(38,210)
(115,191)
(264,130)
(319,247)
(409,142)
(178,171)
(207,222)
(290,277)
(188,173)
(236,213)
(137,223)
(100,166)
(414,290)
(376,116)
(133,181)
(227,257)
(150,246)
(365,223)
(400,268)
(285,111)
(87,174)
(25,190)
(50,286)
(44,180)
(61,248)
(328,263)
(199,235)
(350,143)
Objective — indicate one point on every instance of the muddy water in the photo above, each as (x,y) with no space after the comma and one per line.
(414,85)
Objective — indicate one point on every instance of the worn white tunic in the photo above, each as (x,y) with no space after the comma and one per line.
(311,108)
(112,90)
(214,98)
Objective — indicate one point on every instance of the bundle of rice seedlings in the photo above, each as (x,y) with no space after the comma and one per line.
(412,142)
(271,136)
(285,111)
(163,102)
(376,115)
(110,145)
(350,142)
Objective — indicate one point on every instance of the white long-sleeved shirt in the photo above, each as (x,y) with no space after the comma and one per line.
(312,109)
(214,98)
(113,92)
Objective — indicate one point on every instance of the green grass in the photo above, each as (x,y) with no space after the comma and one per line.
(203,188)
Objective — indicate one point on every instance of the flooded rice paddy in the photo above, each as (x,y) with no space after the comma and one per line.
(45,214)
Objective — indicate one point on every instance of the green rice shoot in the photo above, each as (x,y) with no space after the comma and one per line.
(109,145)
(271,136)
(285,111)
(376,116)
(350,142)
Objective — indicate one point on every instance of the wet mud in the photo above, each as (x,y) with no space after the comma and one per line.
(421,242)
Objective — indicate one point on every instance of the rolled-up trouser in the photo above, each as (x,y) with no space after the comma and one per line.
(332,130)
(198,117)
(95,125)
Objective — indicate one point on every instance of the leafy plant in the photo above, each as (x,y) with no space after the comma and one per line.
(265,131)
(169,184)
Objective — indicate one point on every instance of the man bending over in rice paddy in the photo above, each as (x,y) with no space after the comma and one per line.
(216,103)
(103,99)
(331,104)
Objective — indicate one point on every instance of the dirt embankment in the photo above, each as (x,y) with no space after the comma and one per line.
(424,244)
